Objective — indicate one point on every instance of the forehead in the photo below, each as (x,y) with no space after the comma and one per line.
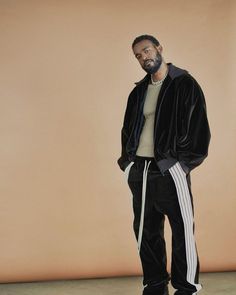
(140,46)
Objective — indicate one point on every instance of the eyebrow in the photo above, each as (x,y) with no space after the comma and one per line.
(145,47)
(142,50)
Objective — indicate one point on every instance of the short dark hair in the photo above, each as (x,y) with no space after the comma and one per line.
(145,37)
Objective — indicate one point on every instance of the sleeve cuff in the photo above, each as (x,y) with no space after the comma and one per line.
(122,164)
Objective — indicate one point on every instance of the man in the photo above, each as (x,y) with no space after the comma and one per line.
(165,135)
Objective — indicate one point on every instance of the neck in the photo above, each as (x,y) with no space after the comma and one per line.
(160,74)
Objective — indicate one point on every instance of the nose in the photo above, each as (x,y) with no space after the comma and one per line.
(144,56)
(143,59)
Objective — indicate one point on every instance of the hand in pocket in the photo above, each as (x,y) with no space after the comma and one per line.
(127,169)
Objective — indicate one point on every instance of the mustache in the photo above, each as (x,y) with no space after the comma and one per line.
(148,60)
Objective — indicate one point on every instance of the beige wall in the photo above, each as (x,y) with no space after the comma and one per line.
(66,70)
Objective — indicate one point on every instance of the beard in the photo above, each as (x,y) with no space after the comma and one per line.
(151,66)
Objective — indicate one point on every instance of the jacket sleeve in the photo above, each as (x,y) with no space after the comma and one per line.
(193,132)
(123,160)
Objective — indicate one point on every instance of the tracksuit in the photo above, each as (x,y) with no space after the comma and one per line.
(161,185)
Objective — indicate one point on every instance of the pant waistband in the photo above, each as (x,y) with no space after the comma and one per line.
(142,158)
(140,162)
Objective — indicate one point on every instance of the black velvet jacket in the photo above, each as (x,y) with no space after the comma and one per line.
(181,129)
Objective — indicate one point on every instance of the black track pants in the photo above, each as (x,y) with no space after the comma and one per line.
(154,197)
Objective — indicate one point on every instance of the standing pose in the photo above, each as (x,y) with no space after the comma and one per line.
(165,135)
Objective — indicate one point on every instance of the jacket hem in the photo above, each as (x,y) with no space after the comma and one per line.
(184,167)
(166,164)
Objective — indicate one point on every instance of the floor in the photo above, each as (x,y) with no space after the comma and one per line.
(213,284)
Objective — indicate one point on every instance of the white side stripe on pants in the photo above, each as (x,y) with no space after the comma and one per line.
(184,199)
(145,171)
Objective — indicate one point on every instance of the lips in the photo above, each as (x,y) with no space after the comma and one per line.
(148,62)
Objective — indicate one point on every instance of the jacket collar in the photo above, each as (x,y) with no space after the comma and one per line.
(172,73)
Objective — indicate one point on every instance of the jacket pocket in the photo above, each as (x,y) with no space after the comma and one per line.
(127,170)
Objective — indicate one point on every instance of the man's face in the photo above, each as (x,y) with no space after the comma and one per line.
(148,55)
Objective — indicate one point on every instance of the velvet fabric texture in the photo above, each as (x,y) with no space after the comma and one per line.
(181,128)
(168,196)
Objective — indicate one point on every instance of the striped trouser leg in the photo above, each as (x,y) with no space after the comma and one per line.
(144,179)
(185,264)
